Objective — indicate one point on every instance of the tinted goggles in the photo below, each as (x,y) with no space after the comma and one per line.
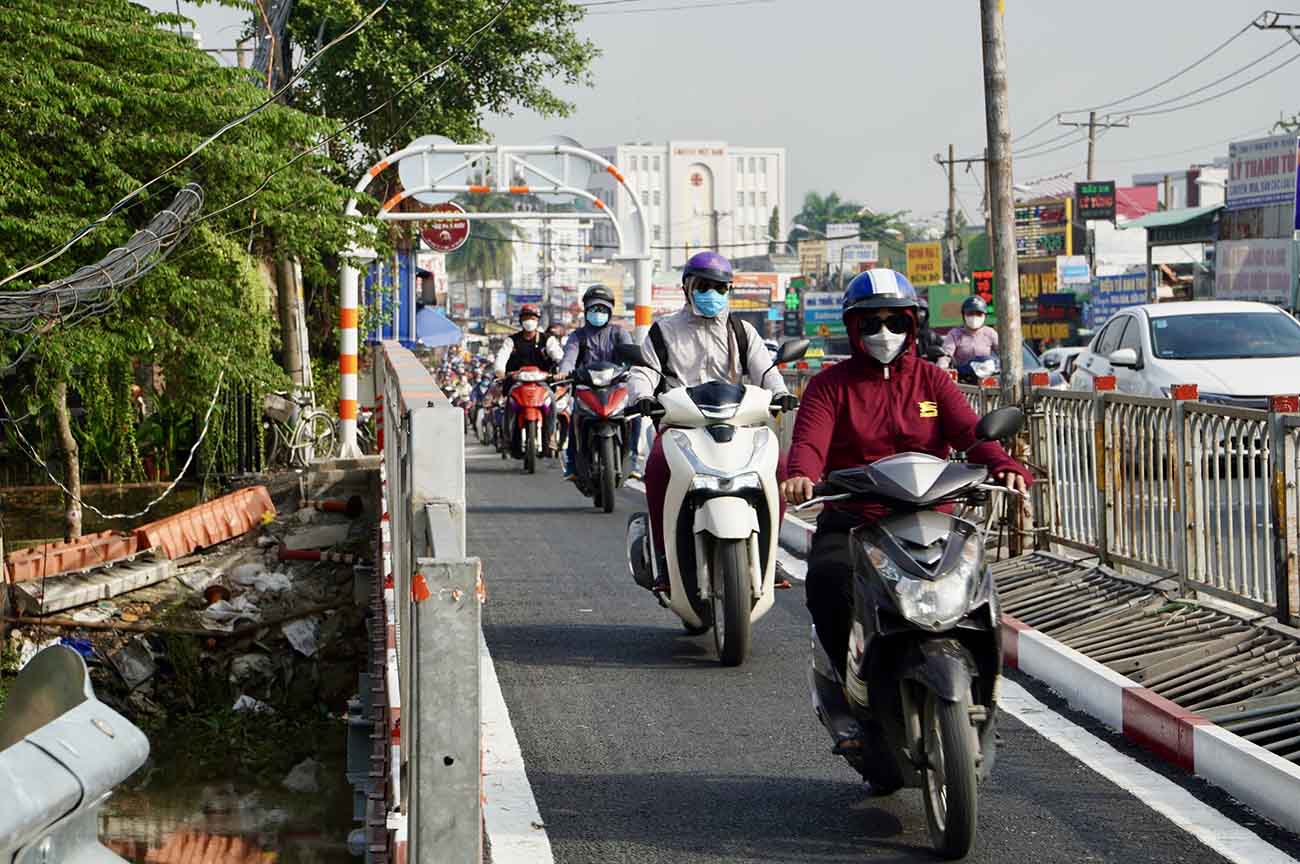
(896,323)
(699,283)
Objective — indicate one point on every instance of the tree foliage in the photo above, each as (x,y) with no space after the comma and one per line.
(100,97)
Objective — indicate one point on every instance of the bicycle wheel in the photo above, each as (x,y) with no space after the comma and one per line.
(315,438)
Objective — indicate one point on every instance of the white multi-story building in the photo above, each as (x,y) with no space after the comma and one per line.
(547,256)
(696,195)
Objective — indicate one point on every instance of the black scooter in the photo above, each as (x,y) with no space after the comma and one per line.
(924,651)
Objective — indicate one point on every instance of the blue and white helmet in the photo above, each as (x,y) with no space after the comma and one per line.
(878,289)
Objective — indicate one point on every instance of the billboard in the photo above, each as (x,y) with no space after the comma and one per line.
(812,257)
(857,254)
(753,292)
(1095,199)
(1072,270)
(1263,270)
(945,304)
(1112,293)
(821,314)
(1261,172)
(1042,230)
(839,236)
(924,263)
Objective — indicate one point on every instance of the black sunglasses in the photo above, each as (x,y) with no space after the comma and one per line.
(702,284)
(896,323)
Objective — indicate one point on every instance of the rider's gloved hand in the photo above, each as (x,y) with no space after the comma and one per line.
(786,401)
(644,406)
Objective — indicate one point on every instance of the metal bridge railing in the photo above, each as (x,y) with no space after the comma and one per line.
(1140,474)
(1063,442)
(432,602)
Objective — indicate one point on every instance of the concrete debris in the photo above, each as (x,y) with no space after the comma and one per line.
(134,661)
(303,635)
(251,671)
(100,612)
(223,614)
(303,777)
(246,703)
(318,536)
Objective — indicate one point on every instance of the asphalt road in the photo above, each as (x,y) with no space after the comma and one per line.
(641,748)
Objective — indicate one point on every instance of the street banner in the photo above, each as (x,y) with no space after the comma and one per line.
(1261,172)
(812,257)
(945,304)
(1263,270)
(1110,294)
(1072,270)
(1095,199)
(821,313)
(924,263)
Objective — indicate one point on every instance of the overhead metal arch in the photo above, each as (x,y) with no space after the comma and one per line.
(633,238)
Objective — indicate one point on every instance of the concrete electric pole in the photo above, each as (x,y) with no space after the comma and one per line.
(1002,203)
(1093,126)
(950,234)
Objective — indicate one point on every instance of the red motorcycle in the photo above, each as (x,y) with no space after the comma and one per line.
(531,402)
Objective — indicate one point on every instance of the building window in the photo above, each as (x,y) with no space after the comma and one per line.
(762,165)
(752,198)
(657,198)
(740,198)
(762,199)
(740,166)
(656,163)
(751,165)
(658,233)
(645,198)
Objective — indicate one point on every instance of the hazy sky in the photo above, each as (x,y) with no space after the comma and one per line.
(863,93)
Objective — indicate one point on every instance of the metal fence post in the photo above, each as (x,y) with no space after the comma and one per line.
(1044,492)
(1179,479)
(1102,385)
(1282,472)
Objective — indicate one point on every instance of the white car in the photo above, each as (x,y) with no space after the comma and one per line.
(1236,353)
(1061,359)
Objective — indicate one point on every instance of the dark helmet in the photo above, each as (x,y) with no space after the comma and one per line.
(707,265)
(528,310)
(974,305)
(598,295)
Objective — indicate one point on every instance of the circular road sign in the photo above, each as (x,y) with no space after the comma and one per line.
(446,234)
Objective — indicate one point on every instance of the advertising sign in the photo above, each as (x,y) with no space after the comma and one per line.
(945,304)
(666,298)
(840,235)
(856,254)
(821,314)
(1261,172)
(924,263)
(1042,230)
(1072,270)
(752,284)
(1113,293)
(812,257)
(447,234)
(1263,270)
(1095,199)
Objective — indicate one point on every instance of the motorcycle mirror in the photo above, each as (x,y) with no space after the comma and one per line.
(792,350)
(999,424)
(629,354)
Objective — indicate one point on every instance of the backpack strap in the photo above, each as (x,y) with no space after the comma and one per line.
(661,350)
(742,343)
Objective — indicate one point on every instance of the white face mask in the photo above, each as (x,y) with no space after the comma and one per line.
(530,324)
(884,346)
(974,322)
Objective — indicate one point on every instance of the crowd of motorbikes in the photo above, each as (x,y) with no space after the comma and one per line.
(924,655)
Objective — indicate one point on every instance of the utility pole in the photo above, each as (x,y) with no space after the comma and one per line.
(1002,201)
(950,234)
(1093,126)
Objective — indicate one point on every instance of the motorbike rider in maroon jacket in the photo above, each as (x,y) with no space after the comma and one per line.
(882,401)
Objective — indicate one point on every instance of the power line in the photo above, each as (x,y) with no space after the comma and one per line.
(92,226)
(682,8)
(1213,83)
(1217,96)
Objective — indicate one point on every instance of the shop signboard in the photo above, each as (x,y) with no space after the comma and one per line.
(821,314)
(857,254)
(757,286)
(1072,270)
(924,263)
(839,236)
(1110,294)
(1042,229)
(945,304)
(1261,172)
(666,298)
(1263,270)
(446,234)
(1095,199)
(812,257)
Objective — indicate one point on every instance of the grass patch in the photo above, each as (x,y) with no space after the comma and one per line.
(261,745)
(8,670)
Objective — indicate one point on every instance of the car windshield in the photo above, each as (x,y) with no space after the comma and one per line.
(1031,360)
(1224,335)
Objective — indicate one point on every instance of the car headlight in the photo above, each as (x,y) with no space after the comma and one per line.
(739,483)
(932,603)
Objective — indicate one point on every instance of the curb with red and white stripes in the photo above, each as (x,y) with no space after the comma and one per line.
(1263,781)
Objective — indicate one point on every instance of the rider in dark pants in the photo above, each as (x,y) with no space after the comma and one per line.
(528,346)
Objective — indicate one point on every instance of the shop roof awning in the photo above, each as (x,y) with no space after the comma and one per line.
(1177,227)
(433,329)
(1171,218)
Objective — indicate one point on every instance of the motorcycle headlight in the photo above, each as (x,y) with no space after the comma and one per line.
(932,603)
(741,482)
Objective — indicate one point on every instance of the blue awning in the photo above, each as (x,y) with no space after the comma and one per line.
(434,329)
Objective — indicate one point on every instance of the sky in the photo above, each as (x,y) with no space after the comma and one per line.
(864,93)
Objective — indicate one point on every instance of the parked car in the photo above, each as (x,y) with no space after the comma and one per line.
(1237,353)
(1061,359)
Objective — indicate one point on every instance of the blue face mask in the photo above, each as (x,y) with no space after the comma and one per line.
(597,317)
(709,303)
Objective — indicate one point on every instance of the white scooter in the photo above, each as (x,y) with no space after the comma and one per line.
(721,510)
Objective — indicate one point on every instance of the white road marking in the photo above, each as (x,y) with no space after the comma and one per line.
(1167,798)
(510,816)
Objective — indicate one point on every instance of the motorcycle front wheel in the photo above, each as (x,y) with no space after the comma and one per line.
(530,447)
(951,805)
(607,468)
(731,626)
